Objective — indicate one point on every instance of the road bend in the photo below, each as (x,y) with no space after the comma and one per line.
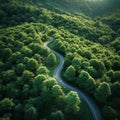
(83,96)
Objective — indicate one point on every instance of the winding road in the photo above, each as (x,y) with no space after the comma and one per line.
(57,75)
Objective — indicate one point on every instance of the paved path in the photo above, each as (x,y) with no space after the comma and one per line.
(57,75)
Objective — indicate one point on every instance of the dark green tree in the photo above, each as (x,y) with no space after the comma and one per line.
(37,83)
(32,65)
(42,70)
(83,77)
(76,63)
(110,113)
(58,115)
(27,76)
(72,103)
(51,60)
(31,113)
(9,75)
(6,104)
(70,73)
(19,69)
(45,38)
(102,92)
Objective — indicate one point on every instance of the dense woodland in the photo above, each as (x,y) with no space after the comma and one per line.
(89,42)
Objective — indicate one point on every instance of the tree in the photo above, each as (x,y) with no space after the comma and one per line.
(37,83)
(102,92)
(70,73)
(30,113)
(83,77)
(115,88)
(116,65)
(15,57)
(51,60)
(27,76)
(87,54)
(98,66)
(72,103)
(9,75)
(76,62)
(38,58)
(6,104)
(57,91)
(35,47)
(90,85)
(42,70)
(19,69)
(86,81)
(45,38)
(11,90)
(47,86)
(58,115)
(7,52)
(32,65)
(44,51)
(109,113)
(26,51)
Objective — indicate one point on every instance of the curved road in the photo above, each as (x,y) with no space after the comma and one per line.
(57,75)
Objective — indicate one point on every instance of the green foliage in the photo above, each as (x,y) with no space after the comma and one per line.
(116,43)
(109,113)
(57,91)
(9,75)
(27,76)
(70,73)
(102,92)
(76,63)
(7,52)
(90,48)
(26,51)
(30,113)
(115,88)
(32,64)
(86,81)
(42,70)
(37,83)
(72,103)
(6,104)
(51,60)
(19,69)
(98,66)
(47,86)
(45,38)
(58,115)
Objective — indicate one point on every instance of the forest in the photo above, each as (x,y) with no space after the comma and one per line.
(85,32)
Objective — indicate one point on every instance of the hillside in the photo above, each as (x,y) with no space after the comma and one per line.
(91,50)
